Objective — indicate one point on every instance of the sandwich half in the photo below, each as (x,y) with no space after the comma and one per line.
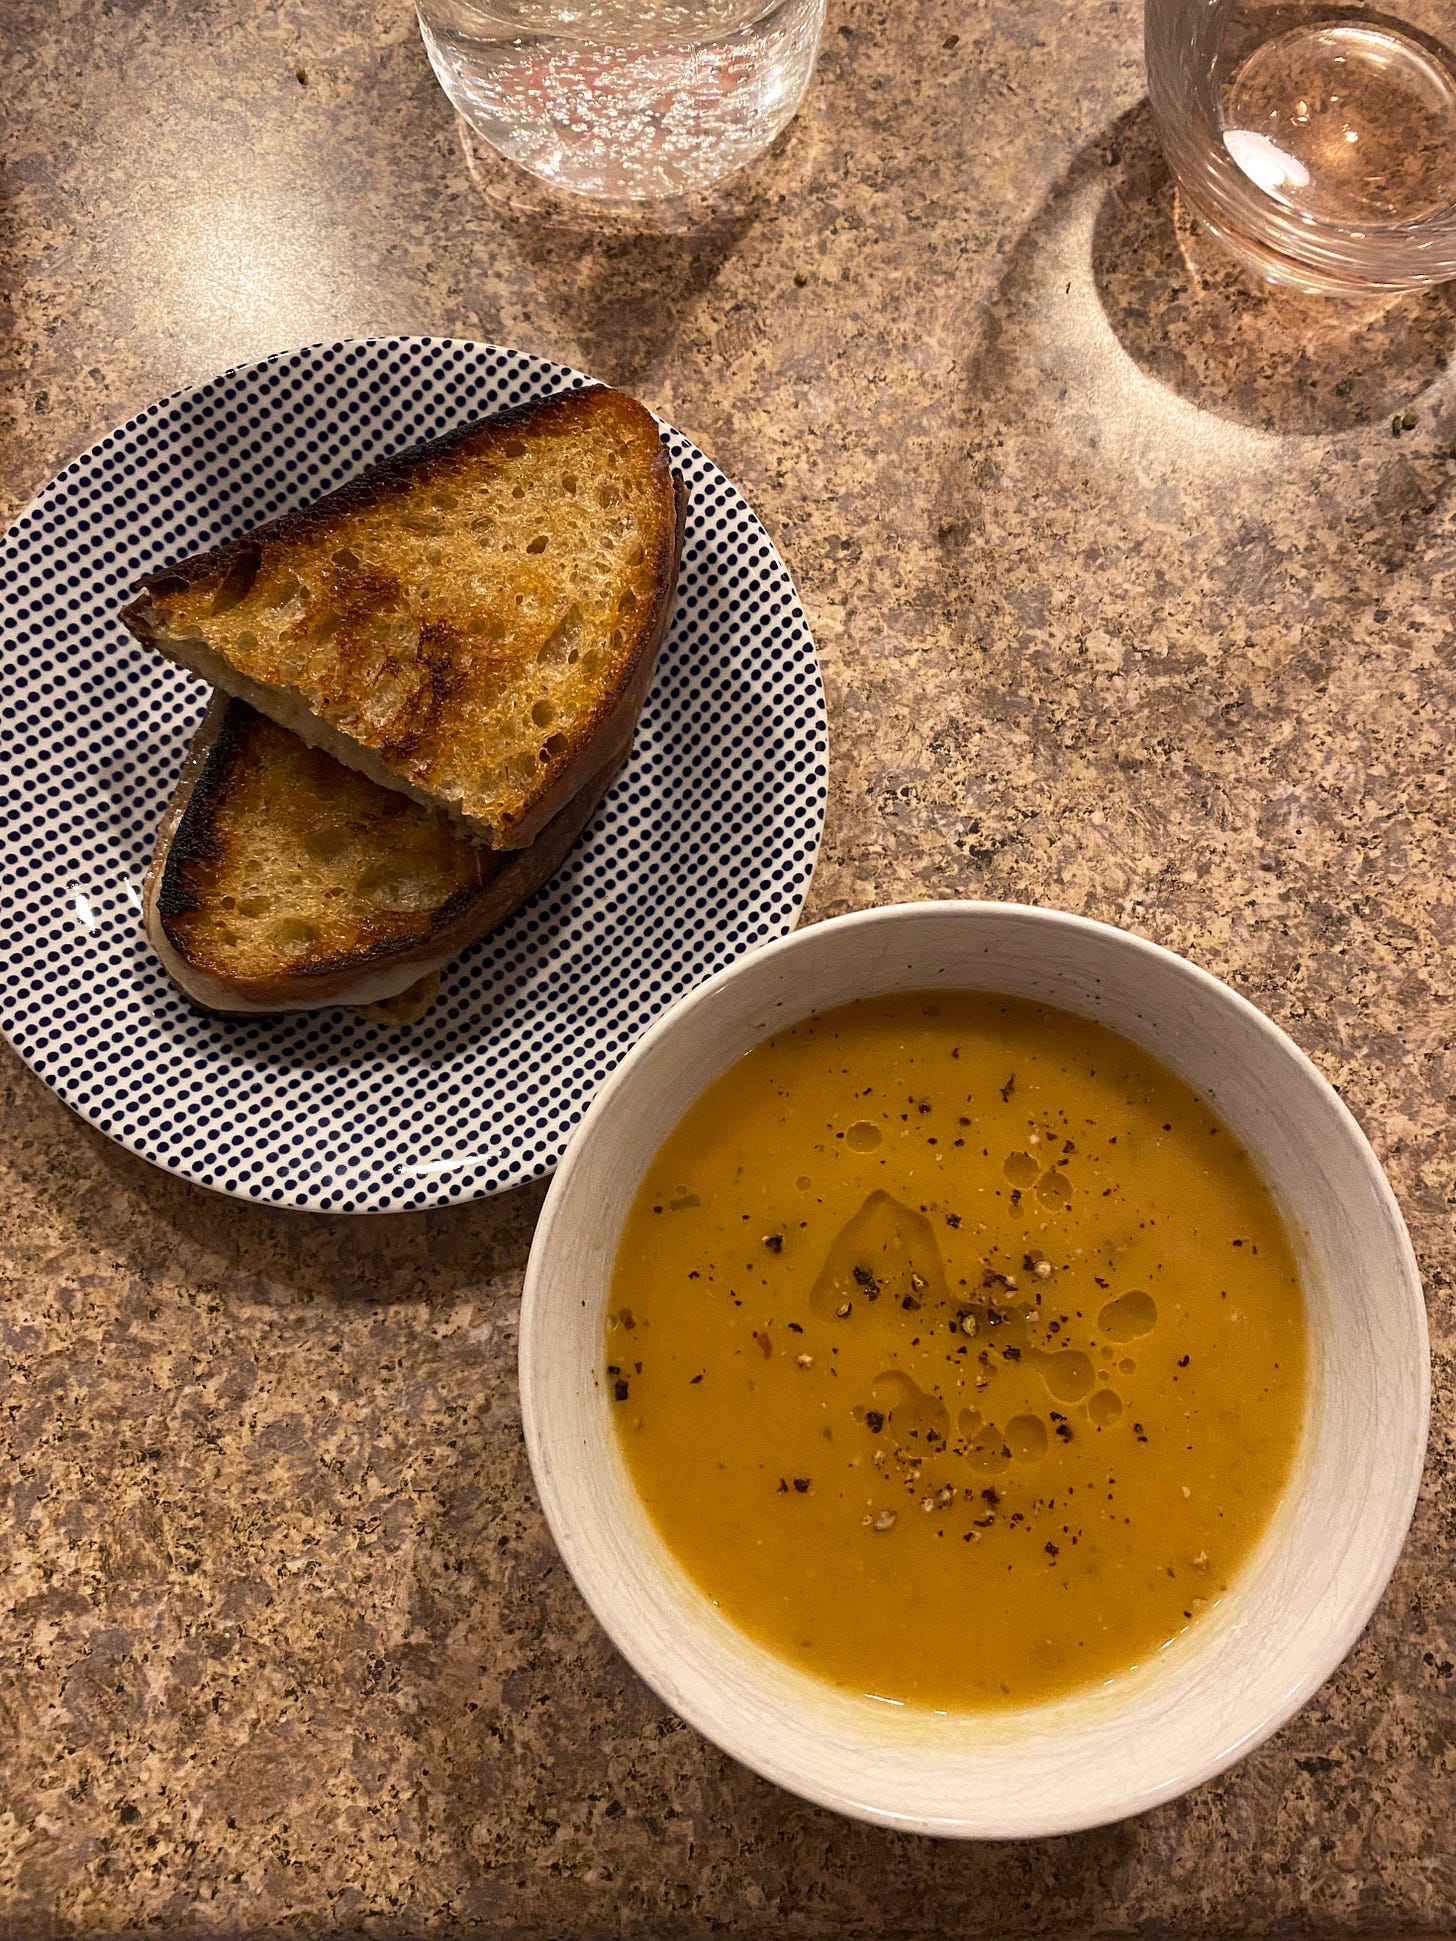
(469,624)
(284,881)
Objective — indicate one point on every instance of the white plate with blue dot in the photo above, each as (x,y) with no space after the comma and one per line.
(702,850)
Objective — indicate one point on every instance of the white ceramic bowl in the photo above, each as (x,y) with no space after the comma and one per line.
(1306,1593)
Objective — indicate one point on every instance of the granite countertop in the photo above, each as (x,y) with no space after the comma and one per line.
(1129,600)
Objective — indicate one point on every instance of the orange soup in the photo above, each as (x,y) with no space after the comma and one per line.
(956,1349)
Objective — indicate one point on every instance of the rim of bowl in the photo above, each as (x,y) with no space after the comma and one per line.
(655,1666)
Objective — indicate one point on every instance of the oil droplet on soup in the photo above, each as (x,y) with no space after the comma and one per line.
(868,1350)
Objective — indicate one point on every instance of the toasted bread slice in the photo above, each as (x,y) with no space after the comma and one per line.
(283,881)
(465,623)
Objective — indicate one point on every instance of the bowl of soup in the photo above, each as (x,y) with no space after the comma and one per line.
(975,1369)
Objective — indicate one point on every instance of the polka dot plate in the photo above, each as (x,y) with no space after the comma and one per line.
(702,849)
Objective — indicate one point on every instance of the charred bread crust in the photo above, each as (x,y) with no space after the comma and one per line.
(188,845)
(577,764)
(356,495)
(186,839)
(602,730)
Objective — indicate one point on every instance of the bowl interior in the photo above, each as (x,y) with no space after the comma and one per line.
(1315,1577)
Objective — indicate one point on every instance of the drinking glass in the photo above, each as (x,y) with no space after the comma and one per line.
(625,99)
(1317,142)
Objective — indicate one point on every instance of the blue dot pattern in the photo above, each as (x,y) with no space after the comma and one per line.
(702,850)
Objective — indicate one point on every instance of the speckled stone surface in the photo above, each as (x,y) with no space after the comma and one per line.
(1128,601)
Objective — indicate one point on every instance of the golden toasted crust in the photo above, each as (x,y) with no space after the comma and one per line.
(284,881)
(466,623)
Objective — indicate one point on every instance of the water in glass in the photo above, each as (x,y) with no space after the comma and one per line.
(625,99)
(1350,119)
(1317,141)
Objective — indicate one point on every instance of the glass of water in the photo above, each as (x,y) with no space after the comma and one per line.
(625,99)
(1316,141)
